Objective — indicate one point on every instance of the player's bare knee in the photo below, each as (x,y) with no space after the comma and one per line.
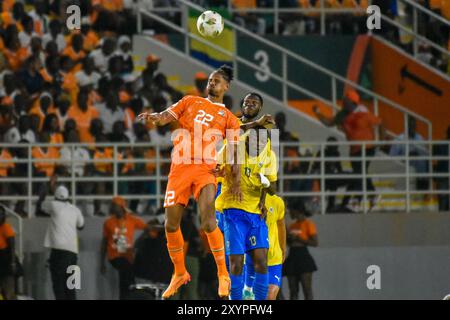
(260,263)
(170,226)
(236,265)
(208,224)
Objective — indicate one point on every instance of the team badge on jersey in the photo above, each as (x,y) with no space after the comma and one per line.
(221,113)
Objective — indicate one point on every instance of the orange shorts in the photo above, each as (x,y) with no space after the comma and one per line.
(186,180)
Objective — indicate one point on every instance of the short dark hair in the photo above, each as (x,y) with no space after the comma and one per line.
(226,72)
(255,94)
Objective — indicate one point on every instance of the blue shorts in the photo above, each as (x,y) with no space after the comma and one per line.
(275,275)
(244,232)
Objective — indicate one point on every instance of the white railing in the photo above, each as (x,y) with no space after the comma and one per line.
(286,56)
(356,184)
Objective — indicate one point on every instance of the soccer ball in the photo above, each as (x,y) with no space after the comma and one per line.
(210,24)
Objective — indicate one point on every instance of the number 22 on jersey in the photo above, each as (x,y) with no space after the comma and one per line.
(203,118)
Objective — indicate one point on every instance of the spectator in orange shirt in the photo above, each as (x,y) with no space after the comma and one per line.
(75,51)
(91,39)
(69,81)
(358,124)
(45,168)
(41,107)
(51,125)
(118,242)
(14,17)
(83,114)
(14,53)
(300,265)
(9,266)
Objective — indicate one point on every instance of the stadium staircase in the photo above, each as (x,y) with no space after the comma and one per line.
(181,67)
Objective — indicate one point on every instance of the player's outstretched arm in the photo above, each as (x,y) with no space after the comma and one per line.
(265,121)
(158,118)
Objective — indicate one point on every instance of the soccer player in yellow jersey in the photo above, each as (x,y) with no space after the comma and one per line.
(277,249)
(251,107)
(244,222)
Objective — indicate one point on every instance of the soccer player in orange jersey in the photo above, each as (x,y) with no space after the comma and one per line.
(203,122)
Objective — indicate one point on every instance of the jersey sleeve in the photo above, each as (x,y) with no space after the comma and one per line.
(178,108)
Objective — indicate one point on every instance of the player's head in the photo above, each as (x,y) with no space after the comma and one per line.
(219,81)
(252,105)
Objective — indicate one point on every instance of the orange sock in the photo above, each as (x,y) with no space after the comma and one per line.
(175,244)
(216,243)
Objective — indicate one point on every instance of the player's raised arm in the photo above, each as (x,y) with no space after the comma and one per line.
(169,115)
(266,121)
(158,118)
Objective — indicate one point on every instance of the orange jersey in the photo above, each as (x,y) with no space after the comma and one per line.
(83,120)
(56,138)
(305,229)
(47,167)
(119,234)
(6,232)
(106,154)
(359,126)
(205,123)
